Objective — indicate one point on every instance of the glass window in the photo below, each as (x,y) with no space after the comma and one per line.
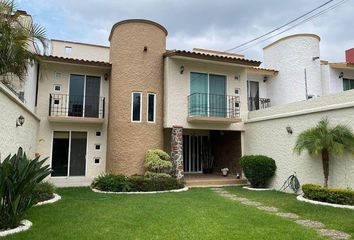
(136,107)
(151,107)
(348,84)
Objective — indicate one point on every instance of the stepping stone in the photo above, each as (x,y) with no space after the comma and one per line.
(310,223)
(240,199)
(334,234)
(217,189)
(268,209)
(288,215)
(251,203)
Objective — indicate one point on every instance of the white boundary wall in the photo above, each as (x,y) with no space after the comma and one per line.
(12,137)
(266,134)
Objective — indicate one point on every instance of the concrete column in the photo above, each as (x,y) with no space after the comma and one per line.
(177,151)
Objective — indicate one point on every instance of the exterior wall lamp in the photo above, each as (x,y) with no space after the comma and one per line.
(20,121)
(341,75)
(265,78)
(289,130)
(181,69)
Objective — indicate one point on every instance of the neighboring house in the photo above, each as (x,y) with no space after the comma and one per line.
(101,108)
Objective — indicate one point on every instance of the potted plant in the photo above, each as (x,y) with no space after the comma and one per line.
(224,171)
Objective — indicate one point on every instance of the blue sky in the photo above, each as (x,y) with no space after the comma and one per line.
(217,25)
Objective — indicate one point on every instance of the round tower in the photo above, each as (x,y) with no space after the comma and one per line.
(136,54)
(293,56)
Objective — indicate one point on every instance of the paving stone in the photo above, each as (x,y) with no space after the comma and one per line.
(288,215)
(217,189)
(268,209)
(251,203)
(334,234)
(310,223)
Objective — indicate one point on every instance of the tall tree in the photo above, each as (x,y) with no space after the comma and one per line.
(325,141)
(19,39)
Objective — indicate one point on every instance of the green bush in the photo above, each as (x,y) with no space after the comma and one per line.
(43,192)
(157,163)
(258,169)
(329,195)
(18,178)
(111,183)
(119,183)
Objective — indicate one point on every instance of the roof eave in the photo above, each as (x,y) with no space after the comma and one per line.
(240,61)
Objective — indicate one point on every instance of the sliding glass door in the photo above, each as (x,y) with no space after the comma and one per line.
(69,153)
(207,95)
(84,96)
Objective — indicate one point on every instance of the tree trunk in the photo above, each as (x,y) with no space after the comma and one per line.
(325,163)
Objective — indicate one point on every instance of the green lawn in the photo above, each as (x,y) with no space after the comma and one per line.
(195,214)
(336,218)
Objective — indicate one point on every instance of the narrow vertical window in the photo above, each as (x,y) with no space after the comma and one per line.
(151,111)
(136,107)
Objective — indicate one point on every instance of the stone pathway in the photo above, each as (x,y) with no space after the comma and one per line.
(322,231)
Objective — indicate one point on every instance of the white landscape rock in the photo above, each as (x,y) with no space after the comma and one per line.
(257,189)
(303,199)
(25,225)
(53,200)
(152,192)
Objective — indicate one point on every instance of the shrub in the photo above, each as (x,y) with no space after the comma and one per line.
(258,169)
(43,192)
(157,163)
(111,183)
(119,183)
(18,178)
(330,195)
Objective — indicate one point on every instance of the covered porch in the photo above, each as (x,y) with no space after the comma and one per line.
(199,155)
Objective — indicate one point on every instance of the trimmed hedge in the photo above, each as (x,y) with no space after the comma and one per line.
(258,169)
(329,195)
(43,192)
(120,183)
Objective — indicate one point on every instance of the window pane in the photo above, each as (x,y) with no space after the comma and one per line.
(346,84)
(198,101)
(78,153)
(136,106)
(60,154)
(92,96)
(76,95)
(151,107)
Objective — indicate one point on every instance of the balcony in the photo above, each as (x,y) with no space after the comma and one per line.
(213,108)
(256,103)
(71,108)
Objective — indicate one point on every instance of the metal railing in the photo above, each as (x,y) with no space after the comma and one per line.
(213,105)
(76,106)
(256,103)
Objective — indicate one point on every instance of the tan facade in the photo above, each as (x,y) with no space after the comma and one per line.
(136,55)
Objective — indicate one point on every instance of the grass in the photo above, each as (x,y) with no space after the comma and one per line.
(336,218)
(195,214)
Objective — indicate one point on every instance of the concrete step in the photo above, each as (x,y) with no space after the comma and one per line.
(216,182)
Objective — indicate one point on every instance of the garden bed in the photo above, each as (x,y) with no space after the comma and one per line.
(121,184)
(303,199)
(149,192)
(54,199)
(24,226)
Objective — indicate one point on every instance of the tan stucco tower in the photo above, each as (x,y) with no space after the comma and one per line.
(136,54)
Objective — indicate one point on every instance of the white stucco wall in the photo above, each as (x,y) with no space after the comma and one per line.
(291,56)
(177,89)
(49,77)
(266,134)
(79,50)
(12,137)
